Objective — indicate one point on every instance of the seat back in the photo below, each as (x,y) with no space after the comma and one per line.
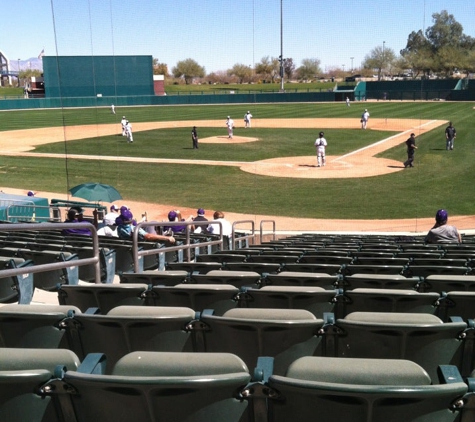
(34,326)
(235,278)
(165,278)
(220,297)
(422,338)
(386,300)
(284,334)
(361,390)
(22,371)
(104,296)
(159,386)
(297,278)
(313,299)
(127,329)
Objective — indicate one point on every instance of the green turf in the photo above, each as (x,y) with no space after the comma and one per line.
(440,178)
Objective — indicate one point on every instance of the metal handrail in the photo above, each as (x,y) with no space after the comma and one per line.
(187,246)
(247,236)
(59,265)
(261,229)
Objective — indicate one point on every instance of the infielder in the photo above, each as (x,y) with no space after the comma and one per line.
(247,119)
(230,125)
(364,119)
(123,122)
(321,144)
(128,132)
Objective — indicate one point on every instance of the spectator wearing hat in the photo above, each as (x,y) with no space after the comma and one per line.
(200,216)
(108,228)
(31,193)
(175,216)
(75,215)
(112,214)
(247,119)
(125,229)
(442,232)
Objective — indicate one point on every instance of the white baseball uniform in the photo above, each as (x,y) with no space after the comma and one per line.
(321,144)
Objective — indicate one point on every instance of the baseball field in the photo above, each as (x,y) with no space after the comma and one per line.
(265,172)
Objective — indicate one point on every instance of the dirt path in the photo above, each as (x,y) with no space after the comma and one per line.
(360,163)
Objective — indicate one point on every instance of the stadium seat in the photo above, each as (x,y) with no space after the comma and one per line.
(235,278)
(284,334)
(445,283)
(363,390)
(48,280)
(162,386)
(128,329)
(331,269)
(313,299)
(385,300)
(34,326)
(221,257)
(16,288)
(259,267)
(22,371)
(165,278)
(105,296)
(194,267)
(422,338)
(297,278)
(383,281)
(220,297)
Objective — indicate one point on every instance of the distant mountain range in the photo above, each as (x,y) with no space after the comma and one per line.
(32,63)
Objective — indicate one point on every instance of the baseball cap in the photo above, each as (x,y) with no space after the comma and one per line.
(321,133)
(114,208)
(229,117)
(441,216)
(123,208)
(31,193)
(172,216)
(200,211)
(78,210)
(127,216)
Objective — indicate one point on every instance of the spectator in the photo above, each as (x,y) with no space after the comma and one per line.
(442,232)
(112,214)
(174,216)
(75,215)
(125,229)
(200,216)
(226,225)
(109,228)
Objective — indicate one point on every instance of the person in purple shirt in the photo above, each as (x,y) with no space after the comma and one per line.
(75,215)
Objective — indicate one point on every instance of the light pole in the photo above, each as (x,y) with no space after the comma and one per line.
(281,46)
(351,64)
(382,64)
(18,73)
(343,68)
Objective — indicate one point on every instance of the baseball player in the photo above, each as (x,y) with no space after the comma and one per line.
(321,144)
(128,132)
(123,122)
(450,135)
(230,125)
(364,119)
(247,119)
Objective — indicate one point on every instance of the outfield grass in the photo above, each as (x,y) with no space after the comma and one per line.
(440,179)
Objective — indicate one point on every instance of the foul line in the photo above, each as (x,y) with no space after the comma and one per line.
(384,140)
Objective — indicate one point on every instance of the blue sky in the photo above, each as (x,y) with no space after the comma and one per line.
(220,33)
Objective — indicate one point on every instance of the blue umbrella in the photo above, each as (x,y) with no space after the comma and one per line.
(96,192)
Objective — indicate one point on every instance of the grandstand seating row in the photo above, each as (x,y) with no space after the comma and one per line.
(223,297)
(56,386)
(285,334)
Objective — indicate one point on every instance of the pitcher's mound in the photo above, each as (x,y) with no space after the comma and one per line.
(226,140)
